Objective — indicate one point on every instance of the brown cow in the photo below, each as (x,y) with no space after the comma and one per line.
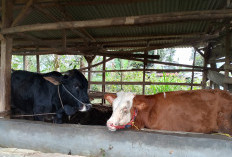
(203,111)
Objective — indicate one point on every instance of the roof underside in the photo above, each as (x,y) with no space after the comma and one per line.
(163,35)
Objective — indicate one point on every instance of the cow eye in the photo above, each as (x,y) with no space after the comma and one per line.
(76,86)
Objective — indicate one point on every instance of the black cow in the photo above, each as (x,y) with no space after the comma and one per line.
(34,93)
(97,115)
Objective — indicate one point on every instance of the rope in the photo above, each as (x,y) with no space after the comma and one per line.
(60,97)
(129,124)
(32,115)
(223,134)
(73,95)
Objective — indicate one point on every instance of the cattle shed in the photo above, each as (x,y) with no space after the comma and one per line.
(125,29)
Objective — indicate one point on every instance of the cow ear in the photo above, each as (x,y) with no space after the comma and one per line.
(52,80)
(140,106)
(110,97)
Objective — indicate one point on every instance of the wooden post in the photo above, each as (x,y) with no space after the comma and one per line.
(103,79)
(227,62)
(89,59)
(192,80)
(206,60)
(24,62)
(144,71)
(214,85)
(37,64)
(56,62)
(6,50)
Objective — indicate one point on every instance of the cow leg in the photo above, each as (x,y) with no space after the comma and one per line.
(41,109)
(225,123)
(59,116)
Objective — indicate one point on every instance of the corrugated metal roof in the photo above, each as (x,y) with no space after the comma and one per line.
(130,8)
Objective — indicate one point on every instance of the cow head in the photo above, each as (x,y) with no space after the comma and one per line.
(122,104)
(73,89)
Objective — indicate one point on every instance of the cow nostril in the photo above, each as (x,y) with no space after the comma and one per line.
(88,106)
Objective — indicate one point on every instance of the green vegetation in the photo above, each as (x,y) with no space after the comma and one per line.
(63,63)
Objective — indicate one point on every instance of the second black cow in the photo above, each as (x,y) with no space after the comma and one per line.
(34,93)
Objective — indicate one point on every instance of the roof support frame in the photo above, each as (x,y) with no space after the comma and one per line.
(126,21)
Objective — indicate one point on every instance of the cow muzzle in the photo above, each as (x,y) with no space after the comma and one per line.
(111,126)
(86,107)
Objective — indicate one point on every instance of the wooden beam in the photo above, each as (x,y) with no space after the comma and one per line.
(146,83)
(218,78)
(199,51)
(150,70)
(23,13)
(49,3)
(77,52)
(97,64)
(127,21)
(18,42)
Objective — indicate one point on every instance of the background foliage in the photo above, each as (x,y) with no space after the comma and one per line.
(66,62)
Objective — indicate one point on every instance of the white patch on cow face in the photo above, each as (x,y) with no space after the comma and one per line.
(121,110)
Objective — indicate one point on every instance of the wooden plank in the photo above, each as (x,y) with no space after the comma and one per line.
(23,13)
(127,21)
